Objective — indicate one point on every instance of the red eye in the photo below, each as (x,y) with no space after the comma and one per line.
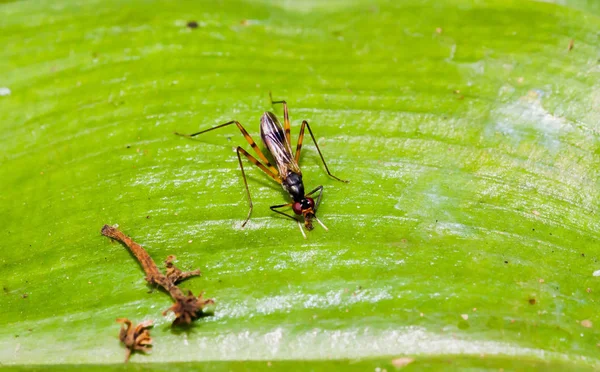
(311,202)
(297,207)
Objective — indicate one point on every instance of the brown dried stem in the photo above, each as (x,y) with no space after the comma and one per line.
(135,338)
(186,307)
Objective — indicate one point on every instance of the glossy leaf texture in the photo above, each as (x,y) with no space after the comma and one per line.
(468,234)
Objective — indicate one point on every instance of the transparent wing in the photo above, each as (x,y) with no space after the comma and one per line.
(282,152)
(273,136)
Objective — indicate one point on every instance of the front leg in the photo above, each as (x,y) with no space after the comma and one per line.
(318,201)
(275,208)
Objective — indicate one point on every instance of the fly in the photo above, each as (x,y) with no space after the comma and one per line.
(286,171)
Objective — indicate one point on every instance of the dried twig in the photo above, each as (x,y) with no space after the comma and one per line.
(135,338)
(186,308)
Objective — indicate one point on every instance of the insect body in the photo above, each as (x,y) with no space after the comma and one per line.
(287,171)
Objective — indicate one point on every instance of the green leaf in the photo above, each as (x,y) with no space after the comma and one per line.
(467,236)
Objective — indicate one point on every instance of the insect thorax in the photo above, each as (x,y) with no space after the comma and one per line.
(294,186)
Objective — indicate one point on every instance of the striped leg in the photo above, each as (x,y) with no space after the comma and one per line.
(253,160)
(246,136)
(299,147)
(286,118)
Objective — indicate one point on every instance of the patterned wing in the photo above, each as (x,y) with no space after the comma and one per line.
(273,136)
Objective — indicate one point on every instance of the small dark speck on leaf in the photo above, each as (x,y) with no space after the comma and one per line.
(24,295)
(505,262)
(128,146)
(532,301)
(532,229)
(147,216)
(192,24)
(583,255)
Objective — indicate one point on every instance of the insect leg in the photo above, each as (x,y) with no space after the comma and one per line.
(253,160)
(246,136)
(275,207)
(320,190)
(286,118)
(299,148)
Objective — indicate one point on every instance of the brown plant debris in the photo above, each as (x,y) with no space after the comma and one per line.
(187,308)
(135,338)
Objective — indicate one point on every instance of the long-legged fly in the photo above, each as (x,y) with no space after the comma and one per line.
(277,140)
